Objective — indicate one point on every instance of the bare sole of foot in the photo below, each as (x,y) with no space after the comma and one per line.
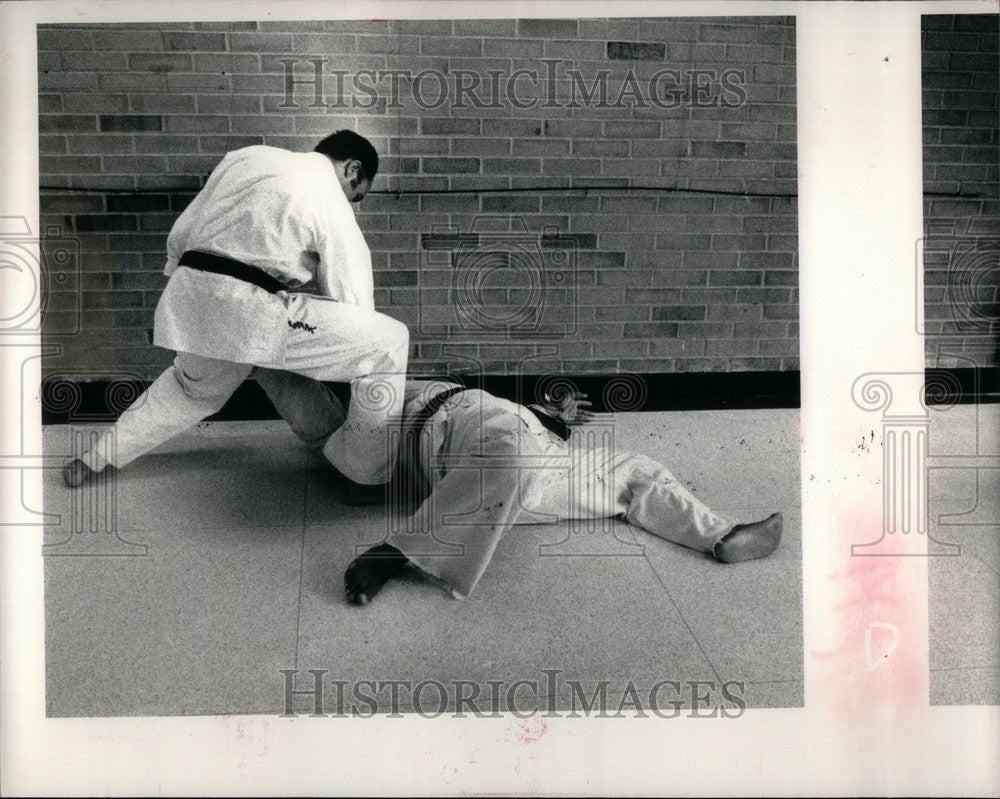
(76,472)
(369,572)
(750,541)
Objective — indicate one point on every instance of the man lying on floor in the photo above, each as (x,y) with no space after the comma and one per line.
(475,465)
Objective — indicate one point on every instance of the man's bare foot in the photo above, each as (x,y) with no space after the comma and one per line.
(352,493)
(370,571)
(76,472)
(750,541)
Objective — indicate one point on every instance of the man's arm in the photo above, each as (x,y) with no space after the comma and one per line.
(180,234)
(345,267)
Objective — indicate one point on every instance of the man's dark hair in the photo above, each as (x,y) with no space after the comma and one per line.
(346,145)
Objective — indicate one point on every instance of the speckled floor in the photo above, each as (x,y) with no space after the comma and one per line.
(189,581)
(964,579)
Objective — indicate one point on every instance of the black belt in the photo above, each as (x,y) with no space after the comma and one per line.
(220,265)
(407,485)
(551,423)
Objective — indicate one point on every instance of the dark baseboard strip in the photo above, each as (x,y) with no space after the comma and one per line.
(96,401)
(944,387)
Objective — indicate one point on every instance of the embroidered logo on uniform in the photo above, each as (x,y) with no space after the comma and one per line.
(301,326)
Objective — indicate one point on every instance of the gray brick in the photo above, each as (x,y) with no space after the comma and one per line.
(480,146)
(195,42)
(59,39)
(490,28)
(94,103)
(718,149)
(636,51)
(131,82)
(571,166)
(434,165)
(232,104)
(511,166)
(569,241)
(101,143)
(651,330)
(261,42)
(67,81)
(513,48)
(67,123)
(677,313)
(50,103)
(131,122)
(451,45)
(71,203)
(162,104)
(134,164)
(632,128)
(200,82)
(448,125)
(421,27)
(505,203)
(105,222)
(736,277)
(573,49)
(769,295)
(165,145)
(194,123)
(128,41)
(547,28)
(138,202)
(160,62)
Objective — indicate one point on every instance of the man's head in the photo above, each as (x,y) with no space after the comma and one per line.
(355,160)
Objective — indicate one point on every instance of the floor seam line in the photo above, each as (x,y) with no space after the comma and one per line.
(302,560)
(681,614)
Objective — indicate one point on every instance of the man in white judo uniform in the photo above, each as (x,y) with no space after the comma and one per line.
(483,464)
(474,465)
(268,221)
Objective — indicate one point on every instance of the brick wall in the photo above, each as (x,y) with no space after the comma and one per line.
(961,189)
(561,236)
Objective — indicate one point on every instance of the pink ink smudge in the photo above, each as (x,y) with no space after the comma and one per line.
(870,605)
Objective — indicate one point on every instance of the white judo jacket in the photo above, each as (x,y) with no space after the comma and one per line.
(277,210)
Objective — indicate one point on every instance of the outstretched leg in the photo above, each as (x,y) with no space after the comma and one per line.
(657,502)
(193,388)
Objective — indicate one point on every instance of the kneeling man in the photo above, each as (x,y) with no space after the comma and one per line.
(267,222)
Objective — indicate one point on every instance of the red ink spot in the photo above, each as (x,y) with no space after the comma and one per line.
(531,730)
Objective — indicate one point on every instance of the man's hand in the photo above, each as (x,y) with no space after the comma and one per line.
(570,407)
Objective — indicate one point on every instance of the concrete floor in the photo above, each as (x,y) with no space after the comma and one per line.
(238,550)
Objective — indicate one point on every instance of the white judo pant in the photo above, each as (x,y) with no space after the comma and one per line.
(493,465)
(324,340)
